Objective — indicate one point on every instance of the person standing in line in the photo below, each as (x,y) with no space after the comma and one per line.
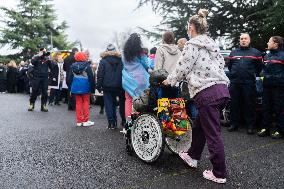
(167,54)
(245,63)
(12,73)
(98,96)
(41,63)
(68,61)
(3,78)
(273,89)
(202,66)
(109,80)
(151,58)
(81,82)
(181,43)
(56,79)
(135,78)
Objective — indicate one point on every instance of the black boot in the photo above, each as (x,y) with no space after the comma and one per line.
(109,125)
(232,128)
(44,108)
(31,107)
(114,125)
(250,131)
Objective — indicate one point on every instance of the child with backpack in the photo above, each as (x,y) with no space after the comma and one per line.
(81,82)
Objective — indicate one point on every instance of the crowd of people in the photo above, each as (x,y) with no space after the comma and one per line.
(120,77)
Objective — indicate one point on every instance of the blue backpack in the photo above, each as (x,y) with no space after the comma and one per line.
(80,83)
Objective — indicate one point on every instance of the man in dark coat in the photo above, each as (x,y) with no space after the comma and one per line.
(245,63)
(39,82)
(109,80)
(68,61)
(3,78)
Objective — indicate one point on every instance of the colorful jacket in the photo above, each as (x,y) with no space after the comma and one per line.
(135,78)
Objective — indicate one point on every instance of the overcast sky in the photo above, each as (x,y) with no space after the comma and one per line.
(94,22)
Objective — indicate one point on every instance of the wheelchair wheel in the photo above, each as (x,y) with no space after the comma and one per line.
(177,144)
(147,138)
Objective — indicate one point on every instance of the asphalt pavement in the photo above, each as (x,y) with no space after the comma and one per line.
(46,150)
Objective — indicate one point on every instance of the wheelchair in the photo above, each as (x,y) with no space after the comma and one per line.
(156,125)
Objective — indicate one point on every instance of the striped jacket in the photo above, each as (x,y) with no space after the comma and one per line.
(274,69)
(245,63)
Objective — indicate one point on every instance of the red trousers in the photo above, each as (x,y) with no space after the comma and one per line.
(82,107)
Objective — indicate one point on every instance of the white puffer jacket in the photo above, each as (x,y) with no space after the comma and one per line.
(200,64)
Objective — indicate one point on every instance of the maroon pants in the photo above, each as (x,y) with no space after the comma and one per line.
(207,129)
(82,107)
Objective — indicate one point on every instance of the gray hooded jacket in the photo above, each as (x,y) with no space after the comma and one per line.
(167,56)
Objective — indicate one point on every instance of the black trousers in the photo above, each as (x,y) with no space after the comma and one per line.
(242,105)
(71,100)
(273,103)
(3,85)
(39,86)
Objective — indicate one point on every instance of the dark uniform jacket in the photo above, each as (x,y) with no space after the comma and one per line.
(109,75)
(41,65)
(245,63)
(274,69)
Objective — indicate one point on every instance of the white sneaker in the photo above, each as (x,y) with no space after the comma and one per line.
(191,162)
(208,174)
(123,131)
(79,124)
(88,123)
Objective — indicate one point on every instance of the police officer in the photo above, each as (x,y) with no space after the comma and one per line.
(244,64)
(273,89)
(39,82)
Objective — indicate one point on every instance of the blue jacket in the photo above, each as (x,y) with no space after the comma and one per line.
(81,83)
(245,63)
(135,78)
(274,69)
(109,75)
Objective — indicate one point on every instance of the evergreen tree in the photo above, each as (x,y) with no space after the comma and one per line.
(227,18)
(30,25)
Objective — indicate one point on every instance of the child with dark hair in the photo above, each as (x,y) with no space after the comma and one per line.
(151,58)
(135,78)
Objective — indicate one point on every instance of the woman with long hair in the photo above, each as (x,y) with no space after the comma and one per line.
(202,66)
(12,77)
(135,78)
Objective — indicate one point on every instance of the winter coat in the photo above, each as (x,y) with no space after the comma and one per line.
(166,57)
(135,78)
(274,69)
(41,65)
(109,75)
(3,73)
(22,73)
(87,73)
(151,61)
(12,75)
(56,75)
(200,64)
(245,63)
(68,61)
